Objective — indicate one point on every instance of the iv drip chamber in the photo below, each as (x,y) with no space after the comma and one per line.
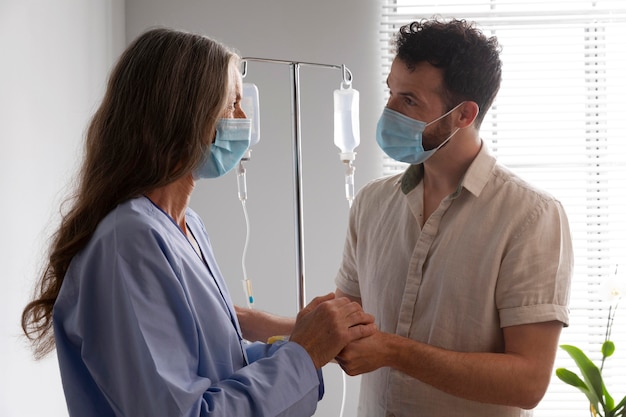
(242,187)
(347,132)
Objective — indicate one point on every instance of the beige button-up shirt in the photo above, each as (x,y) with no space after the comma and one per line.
(495,253)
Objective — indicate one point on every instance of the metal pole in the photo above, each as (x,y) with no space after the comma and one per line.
(298,204)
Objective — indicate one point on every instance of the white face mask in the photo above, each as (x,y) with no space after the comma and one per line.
(400,137)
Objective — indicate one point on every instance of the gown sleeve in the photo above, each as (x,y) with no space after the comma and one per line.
(140,333)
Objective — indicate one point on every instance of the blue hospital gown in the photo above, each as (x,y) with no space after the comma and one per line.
(144,327)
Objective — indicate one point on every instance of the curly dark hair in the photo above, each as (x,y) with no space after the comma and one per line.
(470,61)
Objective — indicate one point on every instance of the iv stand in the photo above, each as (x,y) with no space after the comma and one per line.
(297,157)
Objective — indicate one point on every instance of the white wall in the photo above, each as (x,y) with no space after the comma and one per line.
(55,56)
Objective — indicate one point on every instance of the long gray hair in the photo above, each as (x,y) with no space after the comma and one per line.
(157,118)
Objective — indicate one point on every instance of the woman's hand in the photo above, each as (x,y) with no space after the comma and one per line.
(327,324)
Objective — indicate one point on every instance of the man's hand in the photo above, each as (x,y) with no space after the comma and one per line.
(364,355)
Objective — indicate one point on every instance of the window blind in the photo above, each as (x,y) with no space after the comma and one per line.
(559,121)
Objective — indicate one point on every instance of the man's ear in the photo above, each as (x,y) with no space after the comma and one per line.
(469,111)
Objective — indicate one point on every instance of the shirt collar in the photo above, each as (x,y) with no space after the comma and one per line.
(411,177)
(478,172)
(473,181)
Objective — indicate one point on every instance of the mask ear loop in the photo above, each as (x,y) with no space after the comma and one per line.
(445,114)
(441,117)
(446,141)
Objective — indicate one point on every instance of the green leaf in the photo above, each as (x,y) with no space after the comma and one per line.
(622,405)
(572,379)
(608,348)
(591,374)
(609,401)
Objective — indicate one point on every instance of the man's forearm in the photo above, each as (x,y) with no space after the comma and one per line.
(518,377)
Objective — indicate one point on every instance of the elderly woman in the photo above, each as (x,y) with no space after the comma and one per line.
(132,297)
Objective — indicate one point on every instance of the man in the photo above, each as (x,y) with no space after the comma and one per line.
(464,265)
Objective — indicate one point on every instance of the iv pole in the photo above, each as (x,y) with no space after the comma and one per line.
(297,157)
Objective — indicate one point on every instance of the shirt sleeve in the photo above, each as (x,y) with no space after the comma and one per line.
(535,274)
(259,350)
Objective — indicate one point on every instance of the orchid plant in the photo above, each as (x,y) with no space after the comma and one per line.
(601,403)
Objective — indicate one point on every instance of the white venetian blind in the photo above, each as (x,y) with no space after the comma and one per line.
(559,121)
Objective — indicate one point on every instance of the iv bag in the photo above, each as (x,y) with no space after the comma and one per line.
(347,132)
(250,106)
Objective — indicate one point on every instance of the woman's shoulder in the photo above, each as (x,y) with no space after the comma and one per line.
(132,222)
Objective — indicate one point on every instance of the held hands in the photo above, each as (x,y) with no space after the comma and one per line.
(327,324)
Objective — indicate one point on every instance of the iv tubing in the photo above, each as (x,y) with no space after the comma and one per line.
(343,395)
(241,183)
(247,285)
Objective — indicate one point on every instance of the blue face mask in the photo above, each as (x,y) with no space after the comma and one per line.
(231,142)
(400,137)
